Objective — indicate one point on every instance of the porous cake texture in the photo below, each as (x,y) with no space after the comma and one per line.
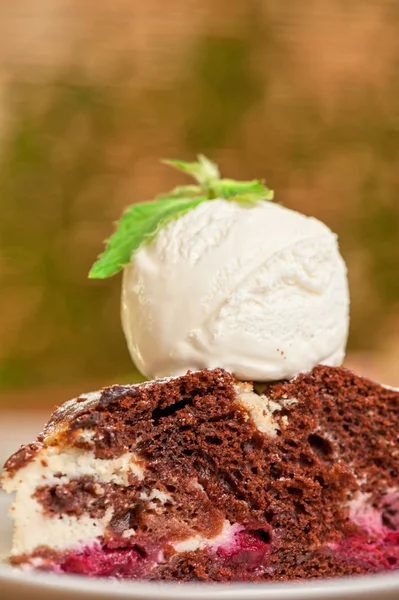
(201,477)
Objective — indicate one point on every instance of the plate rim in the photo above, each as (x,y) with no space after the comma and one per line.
(362,586)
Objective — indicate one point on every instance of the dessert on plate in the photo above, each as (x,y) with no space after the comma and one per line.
(252,455)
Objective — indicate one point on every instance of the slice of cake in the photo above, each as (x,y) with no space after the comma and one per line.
(199,477)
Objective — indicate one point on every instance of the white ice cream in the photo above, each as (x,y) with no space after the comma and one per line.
(260,291)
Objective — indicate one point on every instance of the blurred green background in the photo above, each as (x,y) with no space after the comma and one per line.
(92,94)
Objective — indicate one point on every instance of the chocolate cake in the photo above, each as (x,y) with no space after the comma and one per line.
(200,477)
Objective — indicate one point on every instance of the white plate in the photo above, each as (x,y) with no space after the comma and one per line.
(18,585)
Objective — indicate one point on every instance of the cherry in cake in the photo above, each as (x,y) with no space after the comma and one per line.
(200,477)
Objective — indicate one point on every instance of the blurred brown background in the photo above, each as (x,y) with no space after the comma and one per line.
(93,93)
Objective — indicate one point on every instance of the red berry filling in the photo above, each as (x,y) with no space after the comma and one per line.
(100,561)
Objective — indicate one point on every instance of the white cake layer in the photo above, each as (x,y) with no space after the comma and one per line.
(32,527)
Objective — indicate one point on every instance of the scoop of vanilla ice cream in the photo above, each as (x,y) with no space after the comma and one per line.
(261,291)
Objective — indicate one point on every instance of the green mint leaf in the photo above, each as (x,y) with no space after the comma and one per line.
(247,199)
(210,169)
(229,188)
(182,191)
(204,170)
(139,224)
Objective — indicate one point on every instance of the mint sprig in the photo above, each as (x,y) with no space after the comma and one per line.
(204,170)
(141,222)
